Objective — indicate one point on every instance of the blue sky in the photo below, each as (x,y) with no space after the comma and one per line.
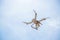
(14,12)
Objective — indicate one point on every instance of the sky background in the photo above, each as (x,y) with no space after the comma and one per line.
(14,12)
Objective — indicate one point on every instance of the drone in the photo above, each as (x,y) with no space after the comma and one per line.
(35,21)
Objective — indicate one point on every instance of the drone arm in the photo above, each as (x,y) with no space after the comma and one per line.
(35,14)
(27,22)
(43,19)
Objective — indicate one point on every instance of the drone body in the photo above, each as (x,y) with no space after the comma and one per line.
(35,21)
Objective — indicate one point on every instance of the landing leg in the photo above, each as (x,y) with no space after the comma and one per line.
(34,27)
